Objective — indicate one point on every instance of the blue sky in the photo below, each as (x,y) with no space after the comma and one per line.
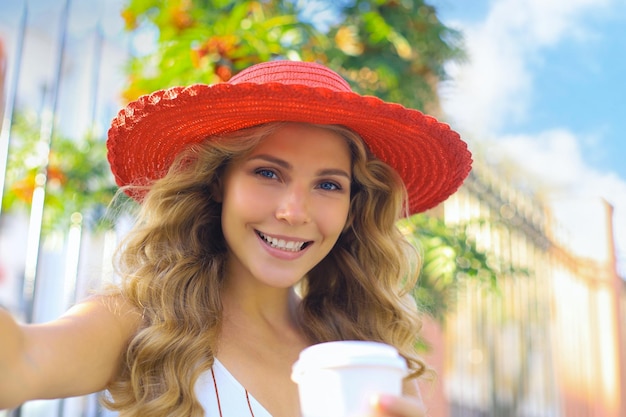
(544,88)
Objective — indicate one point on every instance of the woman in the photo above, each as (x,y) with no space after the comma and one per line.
(266,225)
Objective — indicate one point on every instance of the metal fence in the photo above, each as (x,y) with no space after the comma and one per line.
(62,62)
(550,341)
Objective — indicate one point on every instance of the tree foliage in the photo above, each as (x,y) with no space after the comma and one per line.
(449,256)
(393,49)
(208,41)
(77,175)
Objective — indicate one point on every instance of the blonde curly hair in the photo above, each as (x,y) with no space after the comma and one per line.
(172,269)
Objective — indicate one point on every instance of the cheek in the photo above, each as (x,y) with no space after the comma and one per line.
(239,207)
(241,197)
(332,218)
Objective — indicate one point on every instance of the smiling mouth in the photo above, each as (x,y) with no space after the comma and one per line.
(290,246)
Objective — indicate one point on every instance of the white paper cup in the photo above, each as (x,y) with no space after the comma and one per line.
(339,379)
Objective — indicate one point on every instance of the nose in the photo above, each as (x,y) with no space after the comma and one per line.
(293,207)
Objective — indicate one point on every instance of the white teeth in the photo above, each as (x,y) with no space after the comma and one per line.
(281,244)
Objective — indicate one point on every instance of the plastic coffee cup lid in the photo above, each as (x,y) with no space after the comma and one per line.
(347,353)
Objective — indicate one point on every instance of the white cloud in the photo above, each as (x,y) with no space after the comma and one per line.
(552,163)
(553,154)
(494,90)
(479,97)
(496,87)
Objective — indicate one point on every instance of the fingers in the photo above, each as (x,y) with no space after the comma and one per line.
(391,406)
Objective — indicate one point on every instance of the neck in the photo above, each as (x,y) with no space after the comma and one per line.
(260,307)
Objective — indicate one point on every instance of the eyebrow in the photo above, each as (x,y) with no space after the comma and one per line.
(284,164)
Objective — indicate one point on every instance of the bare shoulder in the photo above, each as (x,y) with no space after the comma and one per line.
(106,309)
(81,351)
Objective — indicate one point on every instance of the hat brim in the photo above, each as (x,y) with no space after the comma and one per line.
(146,135)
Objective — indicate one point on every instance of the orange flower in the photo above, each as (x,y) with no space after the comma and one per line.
(223,72)
(56,175)
(216,49)
(180,17)
(199,56)
(24,188)
(130,19)
(222,45)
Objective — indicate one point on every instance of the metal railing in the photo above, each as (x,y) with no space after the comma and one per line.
(65,75)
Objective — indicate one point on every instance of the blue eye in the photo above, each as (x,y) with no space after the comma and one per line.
(266,173)
(329,186)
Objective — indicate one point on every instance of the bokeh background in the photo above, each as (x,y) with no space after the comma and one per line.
(523,287)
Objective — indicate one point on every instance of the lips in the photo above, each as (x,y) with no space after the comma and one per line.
(284,244)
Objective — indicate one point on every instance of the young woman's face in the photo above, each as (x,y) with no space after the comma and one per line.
(285,204)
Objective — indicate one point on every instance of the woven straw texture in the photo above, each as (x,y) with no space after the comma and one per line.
(148,133)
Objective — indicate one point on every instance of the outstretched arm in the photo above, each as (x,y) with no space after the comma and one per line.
(77,354)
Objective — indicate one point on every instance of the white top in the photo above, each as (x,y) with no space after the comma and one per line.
(232,395)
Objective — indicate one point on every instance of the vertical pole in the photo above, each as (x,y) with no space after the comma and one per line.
(95,79)
(37,205)
(75,231)
(7,119)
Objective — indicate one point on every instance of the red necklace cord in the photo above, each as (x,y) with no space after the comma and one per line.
(217,395)
(219,406)
(249,405)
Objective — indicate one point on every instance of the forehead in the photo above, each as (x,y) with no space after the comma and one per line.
(309,141)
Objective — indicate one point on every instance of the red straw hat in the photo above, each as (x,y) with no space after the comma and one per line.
(148,133)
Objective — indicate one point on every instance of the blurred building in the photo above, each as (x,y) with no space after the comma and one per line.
(552,340)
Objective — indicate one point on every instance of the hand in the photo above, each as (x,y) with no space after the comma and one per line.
(392,406)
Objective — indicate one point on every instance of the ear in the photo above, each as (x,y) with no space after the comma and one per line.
(217,190)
